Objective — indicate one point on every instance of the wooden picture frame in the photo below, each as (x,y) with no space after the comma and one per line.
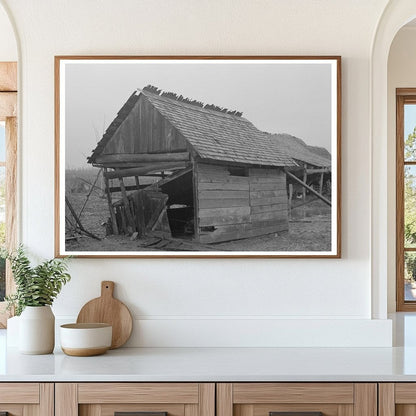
(198,156)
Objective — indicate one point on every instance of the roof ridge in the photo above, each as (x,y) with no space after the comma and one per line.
(225,114)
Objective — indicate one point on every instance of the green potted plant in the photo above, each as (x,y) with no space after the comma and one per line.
(36,289)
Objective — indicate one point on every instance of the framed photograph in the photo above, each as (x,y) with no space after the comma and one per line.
(198,156)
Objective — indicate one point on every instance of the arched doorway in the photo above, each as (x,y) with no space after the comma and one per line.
(396,15)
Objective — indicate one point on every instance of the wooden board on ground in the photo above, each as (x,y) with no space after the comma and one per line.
(156,242)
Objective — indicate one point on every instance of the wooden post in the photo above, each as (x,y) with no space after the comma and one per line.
(136,178)
(141,226)
(11,200)
(290,199)
(321,183)
(131,226)
(305,177)
(110,203)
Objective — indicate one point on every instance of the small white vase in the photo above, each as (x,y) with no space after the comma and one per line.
(37,330)
(12,334)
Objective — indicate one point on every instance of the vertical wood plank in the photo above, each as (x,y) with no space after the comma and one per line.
(246,410)
(346,410)
(365,399)
(191,410)
(195,187)
(8,76)
(386,399)
(305,178)
(110,202)
(11,195)
(207,399)
(399,203)
(131,226)
(11,208)
(141,224)
(57,129)
(66,399)
(90,410)
(8,105)
(224,399)
(47,399)
(31,410)
(321,183)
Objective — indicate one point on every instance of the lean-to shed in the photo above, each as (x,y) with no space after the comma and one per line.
(195,171)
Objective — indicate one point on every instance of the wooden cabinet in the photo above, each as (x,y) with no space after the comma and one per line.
(297,399)
(208,399)
(397,399)
(27,399)
(106,399)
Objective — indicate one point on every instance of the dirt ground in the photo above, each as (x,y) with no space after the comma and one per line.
(309,230)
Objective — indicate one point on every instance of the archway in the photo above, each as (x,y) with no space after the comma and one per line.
(396,15)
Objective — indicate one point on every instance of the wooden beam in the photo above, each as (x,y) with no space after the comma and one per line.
(123,173)
(128,188)
(321,183)
(142,158)
(8,76)
(8,105)
(309,188)
(320,170)
(174,176)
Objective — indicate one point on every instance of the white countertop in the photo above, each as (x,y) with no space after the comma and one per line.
(222,364)
(215,364)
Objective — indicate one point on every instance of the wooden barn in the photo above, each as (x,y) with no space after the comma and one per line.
(176,167)
(313,168)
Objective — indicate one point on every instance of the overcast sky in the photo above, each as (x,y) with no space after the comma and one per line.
(293,98)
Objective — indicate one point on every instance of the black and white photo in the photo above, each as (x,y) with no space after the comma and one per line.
(198,156)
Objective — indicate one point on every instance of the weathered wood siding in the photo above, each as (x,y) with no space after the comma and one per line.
(239,206)
(145,131)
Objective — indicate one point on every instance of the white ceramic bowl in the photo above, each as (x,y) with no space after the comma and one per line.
(84,340)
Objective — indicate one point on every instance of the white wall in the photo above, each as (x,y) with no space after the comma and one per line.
(197,302)
(8,47)
(401,74)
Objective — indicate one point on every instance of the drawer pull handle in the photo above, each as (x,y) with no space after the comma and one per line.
(140,414)
(295,413)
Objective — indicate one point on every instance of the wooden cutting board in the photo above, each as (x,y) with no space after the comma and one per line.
(108,310)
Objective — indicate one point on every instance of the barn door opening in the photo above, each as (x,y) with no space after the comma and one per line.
(180,204)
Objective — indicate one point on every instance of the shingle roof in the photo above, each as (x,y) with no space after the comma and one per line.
(301,152)
(220,136)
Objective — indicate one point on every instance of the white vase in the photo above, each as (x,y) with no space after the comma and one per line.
(37,330)
(12,334)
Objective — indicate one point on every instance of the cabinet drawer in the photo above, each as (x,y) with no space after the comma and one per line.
(297,399)
(21,399)
(147,399)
